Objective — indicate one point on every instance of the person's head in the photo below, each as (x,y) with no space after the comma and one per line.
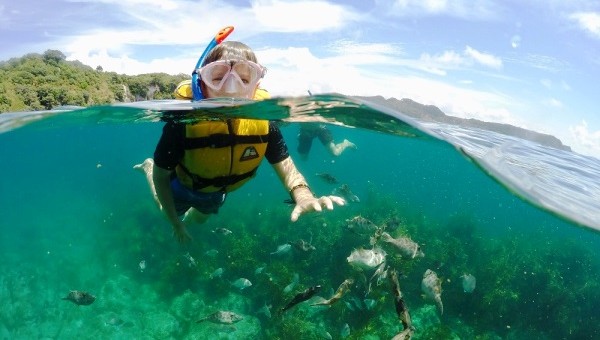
(230,70)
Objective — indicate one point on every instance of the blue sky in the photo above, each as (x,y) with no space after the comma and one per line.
(530,63)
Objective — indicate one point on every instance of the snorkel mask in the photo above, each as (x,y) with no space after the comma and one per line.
(233,77)
(219,37)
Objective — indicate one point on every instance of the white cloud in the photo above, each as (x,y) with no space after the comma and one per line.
(587,141)
(553,102)
(465,9)
(301,16)
(485,59)
(294,71)
(588,21)
(438,64)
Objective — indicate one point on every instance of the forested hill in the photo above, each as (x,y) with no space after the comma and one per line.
(43,81)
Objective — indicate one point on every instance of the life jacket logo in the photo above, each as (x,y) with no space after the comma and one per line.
(249,153)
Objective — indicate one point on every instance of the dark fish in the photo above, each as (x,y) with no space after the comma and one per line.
(328,178)
(401,308)
(302,245)
(300,297)
(342,289)
(80,298)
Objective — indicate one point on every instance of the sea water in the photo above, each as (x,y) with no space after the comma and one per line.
(520,217)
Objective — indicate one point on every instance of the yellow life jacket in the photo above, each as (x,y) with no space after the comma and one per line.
(222,155)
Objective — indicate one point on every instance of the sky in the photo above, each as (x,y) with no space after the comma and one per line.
(529,63)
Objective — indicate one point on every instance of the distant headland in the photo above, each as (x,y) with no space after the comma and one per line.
(431,113)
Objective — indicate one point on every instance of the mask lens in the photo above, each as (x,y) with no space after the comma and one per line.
(235,75)
(215,73)
(246,72)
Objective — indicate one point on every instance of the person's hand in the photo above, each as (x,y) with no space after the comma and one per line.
(308,203)
(181,233)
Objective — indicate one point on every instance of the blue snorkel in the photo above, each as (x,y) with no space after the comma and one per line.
(219,37)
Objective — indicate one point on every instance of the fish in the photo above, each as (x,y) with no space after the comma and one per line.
(366,259)
(241,283)
(404,335)
(347,194)
(302,245)
(142,265)
(301,297)
(292,284)
(282,249)
(361,225)
(80,298)
(260,269)
(401,309)
(431,285)
(342,289)
(369,303)
(222,317)
(379,274)
(222,231)
(345,331)
(468,283)
(211,252)
(217,273)
(266,310)
(327,178)
(404,245)
(191,260)
(115,321)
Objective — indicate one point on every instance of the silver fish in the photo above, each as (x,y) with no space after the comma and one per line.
(404,245)
(345,332)
(211,252)
(431,285)
(282,249)
(222,231)
(80,298)
(292,285)
(347,194)
(223,317)
(217,273)
(241,283)
(266,310)
(468,283)
(191,260)
(142,265)
(366,259)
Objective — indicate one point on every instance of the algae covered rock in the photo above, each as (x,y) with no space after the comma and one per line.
(161,325)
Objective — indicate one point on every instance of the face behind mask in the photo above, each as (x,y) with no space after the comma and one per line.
(236,78)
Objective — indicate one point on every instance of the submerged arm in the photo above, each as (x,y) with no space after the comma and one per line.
(296,185)
(162,184)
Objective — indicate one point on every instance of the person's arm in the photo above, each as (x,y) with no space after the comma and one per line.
(162,184)
(300,192)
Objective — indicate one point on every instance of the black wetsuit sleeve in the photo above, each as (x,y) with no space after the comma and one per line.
(277,150)
(169,150)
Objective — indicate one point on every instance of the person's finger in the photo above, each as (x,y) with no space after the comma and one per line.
(295,214)
(338,200)
(317,206)
(326,201)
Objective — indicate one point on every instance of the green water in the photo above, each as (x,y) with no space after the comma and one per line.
(77,216)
